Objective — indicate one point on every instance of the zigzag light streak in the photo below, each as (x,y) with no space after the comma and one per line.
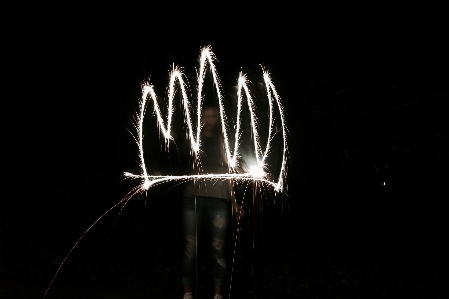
(258,171)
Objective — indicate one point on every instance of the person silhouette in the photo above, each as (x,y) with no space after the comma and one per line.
(207,202)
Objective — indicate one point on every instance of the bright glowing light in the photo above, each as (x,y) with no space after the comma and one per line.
(207,59)
(147,184)
(256,171)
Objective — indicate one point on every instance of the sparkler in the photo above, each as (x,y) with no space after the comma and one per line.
(259,172)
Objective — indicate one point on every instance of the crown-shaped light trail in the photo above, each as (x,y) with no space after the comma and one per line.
(257,172)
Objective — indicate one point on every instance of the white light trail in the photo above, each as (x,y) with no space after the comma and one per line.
(257,173)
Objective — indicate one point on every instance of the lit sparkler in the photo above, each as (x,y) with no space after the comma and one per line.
(257,172)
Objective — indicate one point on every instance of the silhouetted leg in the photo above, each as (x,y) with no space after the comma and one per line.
(219,219)
(191,221)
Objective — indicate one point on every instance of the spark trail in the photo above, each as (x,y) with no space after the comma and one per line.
(259,172)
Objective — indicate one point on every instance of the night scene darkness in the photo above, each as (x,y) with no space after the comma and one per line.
(350,198)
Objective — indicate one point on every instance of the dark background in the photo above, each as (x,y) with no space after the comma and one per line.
(365,87)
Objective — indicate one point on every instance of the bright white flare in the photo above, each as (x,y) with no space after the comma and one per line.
(256,173)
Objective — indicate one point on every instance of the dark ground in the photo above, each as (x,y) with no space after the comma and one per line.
(365,97)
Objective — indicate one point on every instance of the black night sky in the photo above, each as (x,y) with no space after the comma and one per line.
(365,90)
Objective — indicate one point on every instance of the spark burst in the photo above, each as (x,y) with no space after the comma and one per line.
(259,172)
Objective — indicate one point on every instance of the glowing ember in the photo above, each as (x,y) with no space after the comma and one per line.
(256,171)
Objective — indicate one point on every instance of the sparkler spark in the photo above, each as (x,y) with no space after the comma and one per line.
(256,173)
